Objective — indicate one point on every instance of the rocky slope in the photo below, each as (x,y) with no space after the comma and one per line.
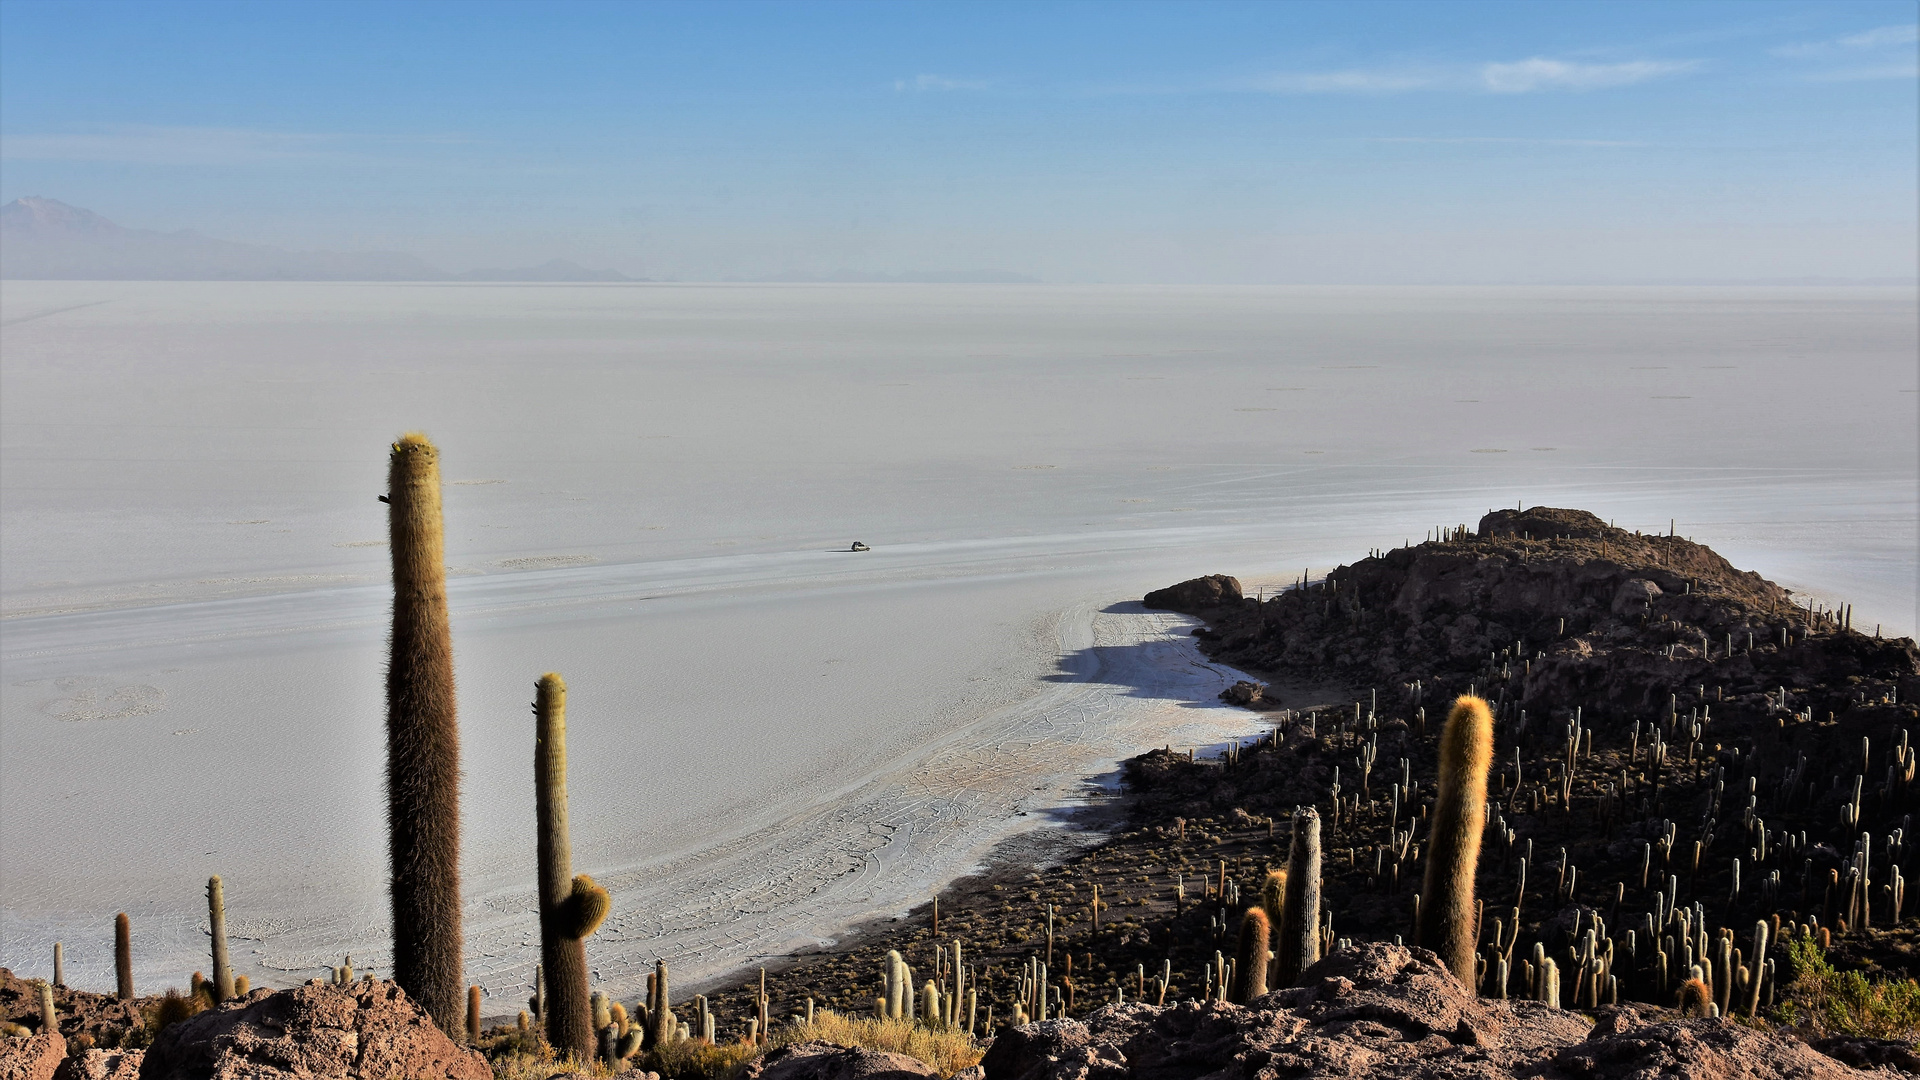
(1553,607)
(1383,1011)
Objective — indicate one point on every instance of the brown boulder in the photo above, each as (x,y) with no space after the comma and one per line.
(1196,596)
(368,1031)
(35,1057)
(826,1061)
(102,1065)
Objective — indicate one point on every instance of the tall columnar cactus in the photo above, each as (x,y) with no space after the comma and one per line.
(49,1018)
(1250,961)
(571,908)
(1758,965)
(1300,926)
(217,921)
(123,955)
(473,1013)
(661,1026)
(1447,920)
(423,742)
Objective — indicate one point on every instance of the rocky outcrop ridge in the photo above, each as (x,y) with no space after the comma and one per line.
(370,1030)
(1379,1010)
(1556,606)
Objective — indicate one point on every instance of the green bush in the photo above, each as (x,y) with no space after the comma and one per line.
(1834,1002)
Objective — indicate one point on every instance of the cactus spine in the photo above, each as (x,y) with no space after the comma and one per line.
(123,956)
(217,921)
(1300,929)
(1250,963)
(1453,844)
(423,742)
(567,1010)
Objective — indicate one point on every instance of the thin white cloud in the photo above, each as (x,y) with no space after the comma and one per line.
(1885,35)
(1497,140)
(1868,74)
(1352,81)
(921,84)
(1539,73)
(196,146)
(1881,37)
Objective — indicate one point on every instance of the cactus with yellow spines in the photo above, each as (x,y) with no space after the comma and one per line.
(1447,918)
(423,742)
(1696,998)
(1273,901)
(571,907)
(1250,961)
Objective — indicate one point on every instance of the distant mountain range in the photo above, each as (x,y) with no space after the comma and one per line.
(47,239)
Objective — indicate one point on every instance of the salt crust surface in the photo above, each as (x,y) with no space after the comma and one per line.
(771,739)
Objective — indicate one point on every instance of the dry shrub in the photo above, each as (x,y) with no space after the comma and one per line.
(692,1059)
(947,1051)
(173,1008)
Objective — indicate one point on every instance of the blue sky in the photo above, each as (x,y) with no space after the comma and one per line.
(1273,142)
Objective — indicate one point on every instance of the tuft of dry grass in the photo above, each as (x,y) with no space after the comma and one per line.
(946,1051)
(691,1059)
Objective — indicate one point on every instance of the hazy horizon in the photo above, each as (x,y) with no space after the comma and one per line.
(1473,143)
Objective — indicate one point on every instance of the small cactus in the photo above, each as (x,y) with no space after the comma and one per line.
(1250,963)
(473,1014)
(123,956)
(1696,998)
(242,986)
(49,1019)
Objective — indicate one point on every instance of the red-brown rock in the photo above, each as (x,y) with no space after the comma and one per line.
(35,1057)
(1697,1050)
(102,1065)
(368,1031)
(826,1061)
